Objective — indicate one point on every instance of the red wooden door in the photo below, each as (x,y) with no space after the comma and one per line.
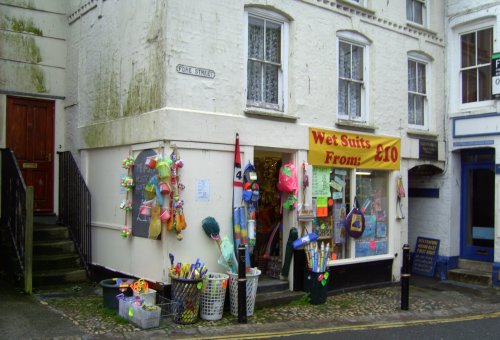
(30,133)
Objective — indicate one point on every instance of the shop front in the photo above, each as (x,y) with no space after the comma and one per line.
(350,171)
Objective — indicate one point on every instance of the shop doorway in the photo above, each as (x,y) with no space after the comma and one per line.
(268,250)
(477,220)
(30,134)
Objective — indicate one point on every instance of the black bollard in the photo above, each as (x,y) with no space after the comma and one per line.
(405,277)
(242,285)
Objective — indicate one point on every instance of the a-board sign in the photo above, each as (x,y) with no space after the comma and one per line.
(425,256)
(141,175)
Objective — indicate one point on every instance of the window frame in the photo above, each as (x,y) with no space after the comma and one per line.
(476,66)
(422,59)
(462,25)
(356,39)
(261,106)
(425,12)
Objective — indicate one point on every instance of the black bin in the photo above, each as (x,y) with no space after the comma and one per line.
(317,291)
(111,288)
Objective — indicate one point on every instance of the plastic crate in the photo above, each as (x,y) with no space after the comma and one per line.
(145,318)
(149,298)
(124,303)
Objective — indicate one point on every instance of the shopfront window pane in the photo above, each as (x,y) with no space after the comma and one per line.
(371,193)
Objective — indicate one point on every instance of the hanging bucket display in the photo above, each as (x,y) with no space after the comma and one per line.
(145,210)
(151,162)
(164,188)
(163,168)
(164,215)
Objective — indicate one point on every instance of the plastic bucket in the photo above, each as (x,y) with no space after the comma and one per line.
(252,283)
(213,295)
(113,287)
(186,295)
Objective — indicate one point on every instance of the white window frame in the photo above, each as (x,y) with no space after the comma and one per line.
(476,67)
(462,25)
(425,12)
(283,71)
(425,60)
(357,39)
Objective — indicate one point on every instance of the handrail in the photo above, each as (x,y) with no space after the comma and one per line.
(17,214)
(75,207)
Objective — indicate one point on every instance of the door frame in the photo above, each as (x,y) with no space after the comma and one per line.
(469,251)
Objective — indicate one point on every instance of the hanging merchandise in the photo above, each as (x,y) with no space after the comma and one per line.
(128,162)
(240,232)
(128,183)
(294,234)
(177,220)
(287,184)
(401,195)
(355,221)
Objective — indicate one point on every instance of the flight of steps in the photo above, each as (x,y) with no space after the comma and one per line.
(472,272)
(55,260)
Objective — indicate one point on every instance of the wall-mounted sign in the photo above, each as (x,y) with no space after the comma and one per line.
(195,71)
(349,150)
(428,149)
(495,74)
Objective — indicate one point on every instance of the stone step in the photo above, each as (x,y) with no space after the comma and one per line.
(50,232)
(271,285)
(56,261)
(58,276)
(475,265)
(52,247)
(476,277)
(279,298)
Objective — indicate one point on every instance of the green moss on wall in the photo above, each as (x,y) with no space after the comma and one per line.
(146,90)
(21,25)
(107,101)
(38,79)
(25,25)
(19,47)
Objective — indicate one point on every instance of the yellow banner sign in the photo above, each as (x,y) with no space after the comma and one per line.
(349,150)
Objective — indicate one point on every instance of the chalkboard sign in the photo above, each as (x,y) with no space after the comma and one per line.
(425,256)
(141,175)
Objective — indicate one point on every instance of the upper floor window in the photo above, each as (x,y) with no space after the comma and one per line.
(416,11)
(417,93)
(476,49)
(265,59)
(352,76)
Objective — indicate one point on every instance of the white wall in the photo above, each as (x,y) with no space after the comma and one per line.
(201,116)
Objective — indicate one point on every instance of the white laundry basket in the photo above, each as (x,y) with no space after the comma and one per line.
(252,283)
(213,295)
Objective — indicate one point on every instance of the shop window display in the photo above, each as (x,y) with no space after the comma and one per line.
(332,192)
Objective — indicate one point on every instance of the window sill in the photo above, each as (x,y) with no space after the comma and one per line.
(421,133)
(269,113)
(352,125)
(420,27)
(355,6)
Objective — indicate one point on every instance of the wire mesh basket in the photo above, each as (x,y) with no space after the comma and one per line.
(186,294)
(213,295)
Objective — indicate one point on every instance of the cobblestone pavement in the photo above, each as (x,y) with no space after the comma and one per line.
(428,299)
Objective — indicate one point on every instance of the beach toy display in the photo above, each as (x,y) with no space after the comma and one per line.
(187,283)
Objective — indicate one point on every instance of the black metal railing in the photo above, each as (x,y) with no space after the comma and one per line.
(17,214)
(75,207)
